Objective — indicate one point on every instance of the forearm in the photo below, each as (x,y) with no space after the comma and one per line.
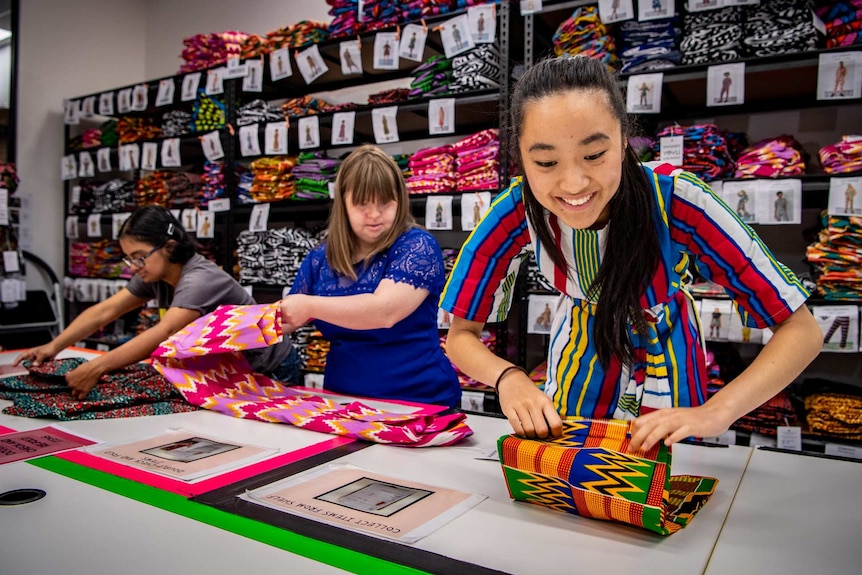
(359,312)
(795,344)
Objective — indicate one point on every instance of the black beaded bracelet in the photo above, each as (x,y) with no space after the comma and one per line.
(503,374)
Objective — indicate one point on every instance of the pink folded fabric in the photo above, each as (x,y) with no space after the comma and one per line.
(204,361)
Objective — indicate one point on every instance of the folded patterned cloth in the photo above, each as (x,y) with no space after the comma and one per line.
(589,471)
(204,361)
(841,157)
(132,391)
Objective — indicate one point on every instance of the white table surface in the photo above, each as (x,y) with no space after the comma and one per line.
(793,514)
(524,538)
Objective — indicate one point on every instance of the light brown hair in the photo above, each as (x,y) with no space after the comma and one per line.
(369,175)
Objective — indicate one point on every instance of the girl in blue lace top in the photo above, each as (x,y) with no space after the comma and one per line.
(372,290)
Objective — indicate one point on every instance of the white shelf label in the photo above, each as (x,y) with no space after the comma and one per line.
(789,437)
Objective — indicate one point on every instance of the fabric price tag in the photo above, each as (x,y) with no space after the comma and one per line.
(473,401)
(10,262)
(789,437)
(94,226)
(117,221)
(530,7)
(726,438)
(843,450)
(72,227)
(22,289)
(205,225)
(9,290)
(165,94)
(235,69)
(671,149)
(219,205)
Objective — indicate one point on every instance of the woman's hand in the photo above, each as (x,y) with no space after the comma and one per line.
(675,424)
(83,378)
(37,354)
(294,312)
(530,412)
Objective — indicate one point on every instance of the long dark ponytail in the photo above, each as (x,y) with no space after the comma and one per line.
(632,252)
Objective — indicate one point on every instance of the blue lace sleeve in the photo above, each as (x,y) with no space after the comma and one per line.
(415,259)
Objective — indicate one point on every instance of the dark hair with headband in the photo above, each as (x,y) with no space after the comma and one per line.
(157,226)
(632,252)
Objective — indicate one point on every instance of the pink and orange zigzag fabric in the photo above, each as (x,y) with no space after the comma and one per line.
(204,362)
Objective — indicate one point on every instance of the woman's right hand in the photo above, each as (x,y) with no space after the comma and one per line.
(530,412)
(37,354)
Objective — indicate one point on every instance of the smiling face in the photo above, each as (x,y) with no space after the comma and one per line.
(370,221)
(571,148)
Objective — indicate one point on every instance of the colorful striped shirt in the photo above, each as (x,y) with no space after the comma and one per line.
(696,230)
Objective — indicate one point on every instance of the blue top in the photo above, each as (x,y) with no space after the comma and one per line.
(401,362)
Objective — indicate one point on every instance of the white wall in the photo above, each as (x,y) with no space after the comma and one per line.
(170,21)
(5,75)
(66,49)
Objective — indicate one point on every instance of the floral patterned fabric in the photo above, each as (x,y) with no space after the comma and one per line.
(133,391)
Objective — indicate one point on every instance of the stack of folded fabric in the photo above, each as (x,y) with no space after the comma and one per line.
(208,50)
(186,190)
(109,135)
(257,112)
(274,256)
(345,18)
(213,182)
(650,45)
(433,171)
(843,21)
(152,189)
(477,161)
(113,196)
(273,179)
(842,157)
(315,352)
(303,33)
(91,138)
(176,123)
(781,156)
(778,27)
(379,14)
(313,174)
(208,114)
(135,129)
(837,258)
(766,418)
(254,46)
(476,69)
(834,414)
(432,77)
(391,96)
(705,151)
(305,106)
(583,33)
(147,318)
(99,259)
(712,36)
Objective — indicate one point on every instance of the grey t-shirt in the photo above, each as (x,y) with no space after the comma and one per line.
(203,286)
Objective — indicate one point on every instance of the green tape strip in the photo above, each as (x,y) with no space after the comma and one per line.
(281,538)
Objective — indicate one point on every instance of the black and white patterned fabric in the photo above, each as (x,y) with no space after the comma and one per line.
(714,36)
(778,27)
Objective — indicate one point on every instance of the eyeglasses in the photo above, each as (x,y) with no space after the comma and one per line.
(141,261)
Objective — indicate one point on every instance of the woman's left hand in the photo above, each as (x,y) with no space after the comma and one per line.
(675,424)
(83,378)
